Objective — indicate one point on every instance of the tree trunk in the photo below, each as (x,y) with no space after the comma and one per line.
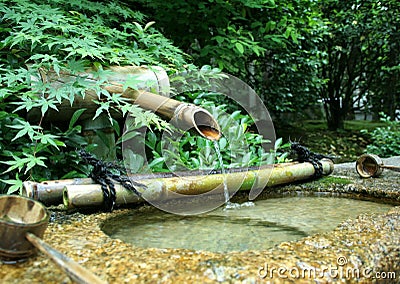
(336,121)
(335,114)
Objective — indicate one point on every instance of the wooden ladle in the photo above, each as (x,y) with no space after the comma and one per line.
(22,224)
(76,272)
(370,165)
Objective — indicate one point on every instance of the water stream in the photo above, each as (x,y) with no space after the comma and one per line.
(228,204)
(262,226)
(223,171)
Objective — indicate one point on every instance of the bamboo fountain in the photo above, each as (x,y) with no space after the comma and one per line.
(76,193)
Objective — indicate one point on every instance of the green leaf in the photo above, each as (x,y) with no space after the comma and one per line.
(133,162)
(26,128)
(75,117)
(49,139)
(151,140)
(222,143)
(294,36)
(99,111)
(34,161)
(128,135)
(156,162)
(16,184)
(239,47)
(288,31)
(116,127)
(20,133)
(133,81)
(278,143)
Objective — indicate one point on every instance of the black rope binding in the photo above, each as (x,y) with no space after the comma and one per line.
(102,174)
(305,155)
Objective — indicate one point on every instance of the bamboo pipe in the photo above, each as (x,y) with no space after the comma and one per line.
(371,165)
(50,192)
(76,196)
(183,115)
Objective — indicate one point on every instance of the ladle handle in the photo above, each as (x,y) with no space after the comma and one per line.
(389,167)
(76,272)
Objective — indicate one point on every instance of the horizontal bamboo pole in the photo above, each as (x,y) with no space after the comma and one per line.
(76,196)
(50,192)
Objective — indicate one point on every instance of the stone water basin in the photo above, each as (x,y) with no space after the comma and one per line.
(253,226)
(366,241)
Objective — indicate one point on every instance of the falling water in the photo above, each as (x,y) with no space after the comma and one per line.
(223,171)
(228,203)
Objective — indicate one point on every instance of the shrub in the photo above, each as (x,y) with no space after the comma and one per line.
(69,37)
(240,146)
(66,36)
(385,140)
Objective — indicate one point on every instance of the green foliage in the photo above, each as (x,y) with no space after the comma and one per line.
(240,146)
(295,53)
(281,151)
(55,38)
(35,153)
(345,146)
(269,45)
(385,140)
(359,52)
(54,51)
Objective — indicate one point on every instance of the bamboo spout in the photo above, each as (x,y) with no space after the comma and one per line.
(183,115)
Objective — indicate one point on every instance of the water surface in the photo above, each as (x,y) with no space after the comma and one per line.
(258,227)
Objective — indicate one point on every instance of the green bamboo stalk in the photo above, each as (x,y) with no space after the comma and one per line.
(76,196)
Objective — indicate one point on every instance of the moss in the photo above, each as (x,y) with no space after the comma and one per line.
(333,180)
(357,125)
